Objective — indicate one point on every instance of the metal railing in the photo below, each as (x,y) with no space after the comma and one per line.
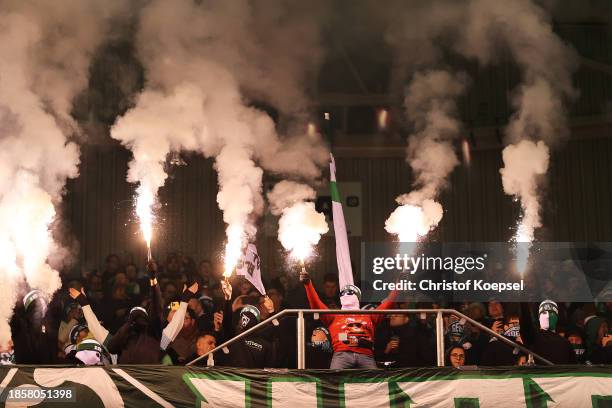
(301,345)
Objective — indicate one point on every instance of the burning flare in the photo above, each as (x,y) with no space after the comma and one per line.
(411,222)
(523,242)
(300,228)
(233,248)
(144,210)
(300,225)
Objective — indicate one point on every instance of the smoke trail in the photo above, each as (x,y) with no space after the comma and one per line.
(300,226)
(547,65)
(416,33)
(45,55)
(431,106)
(199,60)
(524,164)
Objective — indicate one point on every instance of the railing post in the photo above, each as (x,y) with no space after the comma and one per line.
(301,346)
(440,339)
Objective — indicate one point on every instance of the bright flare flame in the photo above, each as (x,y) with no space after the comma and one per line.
(300,229)
(233,248)
(301,251)
(144,210)
(411,222)
(522,240)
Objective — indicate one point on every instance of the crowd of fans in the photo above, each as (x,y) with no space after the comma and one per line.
(176,311)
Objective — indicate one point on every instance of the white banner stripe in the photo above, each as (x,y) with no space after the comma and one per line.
(142,388)
(8,378)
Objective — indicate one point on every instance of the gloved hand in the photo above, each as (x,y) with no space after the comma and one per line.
(188,292)
(79,296)
(304,276)
(226,287)
(152,269)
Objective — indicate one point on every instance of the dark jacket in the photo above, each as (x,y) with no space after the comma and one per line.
(251,352)
(414,348)
(553,347)
(34,334)
(139,343)
(498,353)
(601,355)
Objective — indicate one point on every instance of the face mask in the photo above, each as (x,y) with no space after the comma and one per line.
(548,321)
(88,357)
(513,332)
(7,358)
(349,302)
(245,321)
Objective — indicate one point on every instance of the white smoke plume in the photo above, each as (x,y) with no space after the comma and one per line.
(547,64)
(46,52)
(524,164)
(417,33)
(200,58)
(286,193)
(300,226)
(490,31)
(431,106)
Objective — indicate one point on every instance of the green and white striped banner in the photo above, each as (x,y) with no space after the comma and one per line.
(164,386)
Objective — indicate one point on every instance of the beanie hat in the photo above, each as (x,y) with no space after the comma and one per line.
(90,352)
(252,310)
(139,309)
(351,290)
(30,297)
(548,306)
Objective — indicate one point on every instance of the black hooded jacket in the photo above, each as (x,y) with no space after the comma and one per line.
(137,340)
(34,333)
(254,351)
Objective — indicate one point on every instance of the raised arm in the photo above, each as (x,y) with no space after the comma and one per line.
(228,324)
(313,298)
(117,341)
(93,324)
(386,305)
(155,307)
(176,323)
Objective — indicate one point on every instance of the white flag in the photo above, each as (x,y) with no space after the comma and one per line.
(343,256)
(249,267)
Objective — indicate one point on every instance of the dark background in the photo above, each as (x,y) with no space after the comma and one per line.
(97,212)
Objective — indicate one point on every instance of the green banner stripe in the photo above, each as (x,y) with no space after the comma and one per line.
(334,192)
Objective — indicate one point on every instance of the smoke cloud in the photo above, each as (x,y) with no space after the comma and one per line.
(547,64)
(488,32)
(300,226)
(201,59)
(431,107)
(525,163)
(46,52)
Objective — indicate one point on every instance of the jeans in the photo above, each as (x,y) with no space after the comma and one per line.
(349,359)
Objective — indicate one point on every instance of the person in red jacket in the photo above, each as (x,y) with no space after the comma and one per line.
(352,334)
